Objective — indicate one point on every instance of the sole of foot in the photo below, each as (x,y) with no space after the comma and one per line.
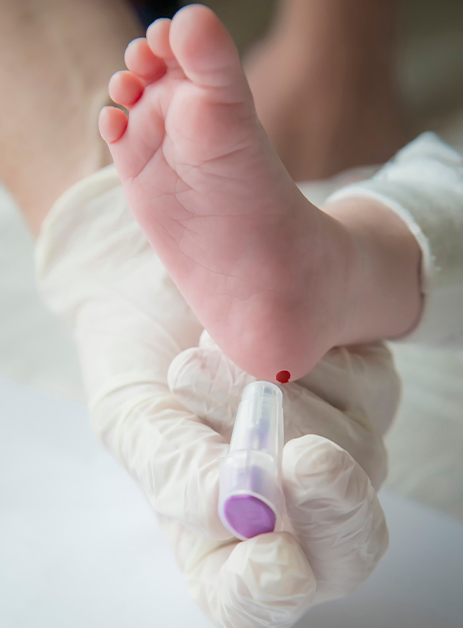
(267,273)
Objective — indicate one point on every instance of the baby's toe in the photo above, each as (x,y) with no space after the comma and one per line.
(140,59)
(112,124)
(157,37)
(205,50)
(125,88)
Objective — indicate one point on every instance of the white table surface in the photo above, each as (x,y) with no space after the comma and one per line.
(79,545)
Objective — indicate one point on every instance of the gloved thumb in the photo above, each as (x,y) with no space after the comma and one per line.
(208,384)
(260,583)
(334,512)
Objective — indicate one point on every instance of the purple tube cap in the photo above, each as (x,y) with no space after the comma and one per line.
(248,515)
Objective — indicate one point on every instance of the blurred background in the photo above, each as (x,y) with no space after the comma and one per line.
(426,442)
(429,55)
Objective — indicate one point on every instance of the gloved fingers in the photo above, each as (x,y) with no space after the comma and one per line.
(306,413)
(97,269)
(266,581)
(360,380)
(206,341)
(335,514)
(210,385)
(172,454)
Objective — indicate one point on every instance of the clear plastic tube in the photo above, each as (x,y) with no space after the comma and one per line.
(251,496)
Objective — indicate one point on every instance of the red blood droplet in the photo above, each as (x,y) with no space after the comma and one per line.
(283,377)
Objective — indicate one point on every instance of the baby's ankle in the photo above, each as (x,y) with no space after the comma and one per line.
(385,298)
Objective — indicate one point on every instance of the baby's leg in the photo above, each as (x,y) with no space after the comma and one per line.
(56,57)
(276,281)
(324,85)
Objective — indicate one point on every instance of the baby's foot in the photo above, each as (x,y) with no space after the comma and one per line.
(266,272)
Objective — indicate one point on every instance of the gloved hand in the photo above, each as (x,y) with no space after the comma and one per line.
(336,531)
(97,271)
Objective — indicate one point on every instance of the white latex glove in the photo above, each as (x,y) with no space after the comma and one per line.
(336,532)
(97,271)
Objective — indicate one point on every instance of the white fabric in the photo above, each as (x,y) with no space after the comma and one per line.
(423,185)
(163,406)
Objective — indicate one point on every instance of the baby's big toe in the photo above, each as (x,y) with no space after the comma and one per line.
(204,48)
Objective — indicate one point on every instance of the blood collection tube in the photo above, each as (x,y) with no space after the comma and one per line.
(251,497)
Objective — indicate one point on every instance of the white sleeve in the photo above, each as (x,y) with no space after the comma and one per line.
(423,185)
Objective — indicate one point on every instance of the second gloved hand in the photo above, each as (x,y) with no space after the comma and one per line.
(336,532)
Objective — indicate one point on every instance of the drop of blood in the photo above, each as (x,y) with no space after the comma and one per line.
(283,377)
